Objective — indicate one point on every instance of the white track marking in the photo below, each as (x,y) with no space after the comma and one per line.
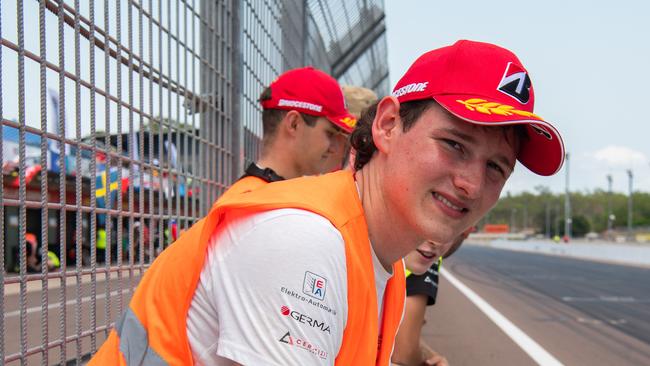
(527,344)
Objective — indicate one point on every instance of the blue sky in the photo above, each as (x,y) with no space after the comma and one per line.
(589,63)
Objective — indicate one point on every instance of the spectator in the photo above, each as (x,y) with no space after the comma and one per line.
(303,116)
(357,99)
(423,266)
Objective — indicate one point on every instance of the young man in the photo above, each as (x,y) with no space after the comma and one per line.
(309,270)
(302,118)
(421,265)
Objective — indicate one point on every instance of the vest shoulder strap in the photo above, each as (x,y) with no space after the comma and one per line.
(331,195)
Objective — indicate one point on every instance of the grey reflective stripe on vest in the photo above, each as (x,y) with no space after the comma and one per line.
(133,341)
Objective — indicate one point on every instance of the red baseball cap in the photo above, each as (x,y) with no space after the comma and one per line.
(311,91)
(485,84)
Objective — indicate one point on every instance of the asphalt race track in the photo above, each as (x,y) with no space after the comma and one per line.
(580,312)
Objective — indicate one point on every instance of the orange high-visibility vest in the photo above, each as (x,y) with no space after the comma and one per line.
(153,329)
(244,184)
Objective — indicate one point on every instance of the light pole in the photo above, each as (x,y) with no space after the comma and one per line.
(548,220)
(556,216)
(513,212)
(629,205)
(525,223)
(610,215)
(567,203)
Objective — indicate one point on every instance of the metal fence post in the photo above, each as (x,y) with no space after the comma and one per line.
(237,70)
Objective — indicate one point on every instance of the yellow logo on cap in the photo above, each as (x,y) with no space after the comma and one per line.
(350,122)
(483,106)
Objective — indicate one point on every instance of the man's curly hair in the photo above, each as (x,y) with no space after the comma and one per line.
(361,138)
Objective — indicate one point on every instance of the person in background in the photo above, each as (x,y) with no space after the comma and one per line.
(33,256)
(422,273)
(357,99)
(303,117)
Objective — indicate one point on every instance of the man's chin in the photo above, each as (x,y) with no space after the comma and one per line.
(417,272)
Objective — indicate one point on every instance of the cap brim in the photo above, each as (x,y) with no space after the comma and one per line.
(542,152)
(346,122)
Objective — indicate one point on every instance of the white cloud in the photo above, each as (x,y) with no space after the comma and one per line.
(620,156)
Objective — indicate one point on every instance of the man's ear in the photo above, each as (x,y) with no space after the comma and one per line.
(387,123)
(292,123)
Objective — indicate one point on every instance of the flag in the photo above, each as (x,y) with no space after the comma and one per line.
(53,153)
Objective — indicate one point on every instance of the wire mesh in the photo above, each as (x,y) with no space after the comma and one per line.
(352,39)
(122,121)
(101,157)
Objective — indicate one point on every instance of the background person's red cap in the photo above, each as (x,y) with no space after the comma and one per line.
(485,84)
(311,91)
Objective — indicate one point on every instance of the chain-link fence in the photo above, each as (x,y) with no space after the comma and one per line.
(122,121)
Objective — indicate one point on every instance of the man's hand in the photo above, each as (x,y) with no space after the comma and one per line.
(436,360)
(431,357)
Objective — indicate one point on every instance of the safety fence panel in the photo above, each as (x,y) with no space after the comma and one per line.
(122,121)
(272,42)
(117,124)
(351,36)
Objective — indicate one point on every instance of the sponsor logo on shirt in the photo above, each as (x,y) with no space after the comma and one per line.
(290,340)
(310,301)
(305,319)
(314,285)
(431,277)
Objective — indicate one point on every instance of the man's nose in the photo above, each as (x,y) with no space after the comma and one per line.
(470,179)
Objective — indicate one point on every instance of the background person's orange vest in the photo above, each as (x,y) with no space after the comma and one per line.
(153,329)
(244,184)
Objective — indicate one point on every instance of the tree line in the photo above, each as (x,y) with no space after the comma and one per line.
(543,211)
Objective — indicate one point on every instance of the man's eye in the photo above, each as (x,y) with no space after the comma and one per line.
(497,168)
(453,144)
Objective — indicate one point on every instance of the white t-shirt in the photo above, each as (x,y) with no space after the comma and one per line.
(272,292)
